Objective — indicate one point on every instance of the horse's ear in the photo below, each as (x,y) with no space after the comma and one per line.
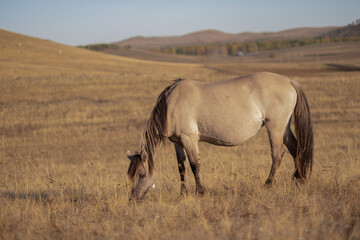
(128,154)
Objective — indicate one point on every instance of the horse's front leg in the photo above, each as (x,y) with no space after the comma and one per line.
(180,155)
(191,145)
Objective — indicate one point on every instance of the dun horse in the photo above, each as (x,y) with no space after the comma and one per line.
(225,113)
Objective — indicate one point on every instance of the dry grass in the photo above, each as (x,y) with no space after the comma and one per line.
(67,119)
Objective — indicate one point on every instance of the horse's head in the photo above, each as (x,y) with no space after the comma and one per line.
(139,175)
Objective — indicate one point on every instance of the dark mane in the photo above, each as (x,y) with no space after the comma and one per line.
(154,132)
(134,166)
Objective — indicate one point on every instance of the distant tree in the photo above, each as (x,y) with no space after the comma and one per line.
(231,49)
(251,47)
(179,50)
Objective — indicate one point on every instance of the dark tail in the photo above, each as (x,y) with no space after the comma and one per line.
(304,135)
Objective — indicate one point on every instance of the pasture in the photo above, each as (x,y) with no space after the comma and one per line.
(68,115)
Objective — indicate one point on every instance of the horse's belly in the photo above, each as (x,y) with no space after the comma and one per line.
(219,131)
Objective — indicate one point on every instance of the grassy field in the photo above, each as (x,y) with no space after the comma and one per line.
(68,115)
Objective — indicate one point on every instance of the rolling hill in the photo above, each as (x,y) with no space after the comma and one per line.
(214,36)
(22,55)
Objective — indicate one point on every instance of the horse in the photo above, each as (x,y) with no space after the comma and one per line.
(225,113)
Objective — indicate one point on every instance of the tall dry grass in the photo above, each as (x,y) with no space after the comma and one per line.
(65,129)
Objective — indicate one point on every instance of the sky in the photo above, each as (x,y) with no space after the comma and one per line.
(81,22)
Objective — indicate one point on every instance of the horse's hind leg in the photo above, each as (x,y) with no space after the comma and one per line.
(291,144)
(191,145)
(180,155)
(276,134)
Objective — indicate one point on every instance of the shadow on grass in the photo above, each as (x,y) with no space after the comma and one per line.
(46,197)
(43,197)
(343,67)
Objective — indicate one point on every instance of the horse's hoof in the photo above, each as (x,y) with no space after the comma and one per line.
(269,183)
(296,175)
(183,189)
(183,192)
(201,192)
(299,181)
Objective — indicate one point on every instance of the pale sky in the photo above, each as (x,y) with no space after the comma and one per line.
(80,22)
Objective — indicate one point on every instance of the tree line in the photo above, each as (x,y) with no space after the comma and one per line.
(248,47)
(233,49)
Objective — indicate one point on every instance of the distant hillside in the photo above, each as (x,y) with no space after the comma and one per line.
(21,55)
(351,30)
(214,36)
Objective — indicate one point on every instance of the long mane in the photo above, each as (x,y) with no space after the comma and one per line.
(154,132)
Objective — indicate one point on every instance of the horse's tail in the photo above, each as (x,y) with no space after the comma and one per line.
(304,135)
(156,126)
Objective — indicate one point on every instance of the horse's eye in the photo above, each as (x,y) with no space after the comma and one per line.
(141,175)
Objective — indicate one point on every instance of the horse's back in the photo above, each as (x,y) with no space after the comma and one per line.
(231,111)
